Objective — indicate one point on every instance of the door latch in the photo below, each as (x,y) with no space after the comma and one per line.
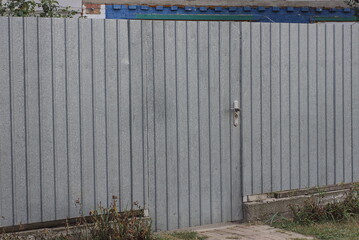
(236,111)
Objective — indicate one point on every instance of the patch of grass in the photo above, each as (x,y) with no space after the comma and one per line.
(347,230)
(185,235)
(337,220)
(315,210)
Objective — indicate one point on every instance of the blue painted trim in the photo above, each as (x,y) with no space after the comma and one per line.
(158,8)
(247,9)
(260,14)
(218,9)
(261,9)
(197,17)
(275,9)
(116,7)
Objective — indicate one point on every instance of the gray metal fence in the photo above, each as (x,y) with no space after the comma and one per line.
(300,105)
(91,109)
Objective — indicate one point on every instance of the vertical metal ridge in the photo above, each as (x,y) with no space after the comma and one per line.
(326,122)
(209,125)
(165,108)
(199,126)
(219,117)
(130,103)
(177,145)
(199,129)
(240,114)
(53,115)
(118,96)
(147,204)
(241,178)
(317,99)
(299,122)
(106,111)
(144,118)
(308,112)
(334,104)
(261,102)
(343,102)
(67,118)
(11,115)
(188,137)
(24,40)
(270,104)
(154,132)
(80,106)
(251,97)
(280,108)
(290,112)
(93,113)
(351,99)
(39,115)
(229,120)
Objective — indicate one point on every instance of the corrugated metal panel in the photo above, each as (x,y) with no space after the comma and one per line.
(92,109)
(66,130)
(300,101)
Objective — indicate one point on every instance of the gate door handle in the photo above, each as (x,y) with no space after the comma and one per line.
(236,110)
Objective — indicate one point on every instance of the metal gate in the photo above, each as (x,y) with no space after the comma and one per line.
(91,109)
(194,149)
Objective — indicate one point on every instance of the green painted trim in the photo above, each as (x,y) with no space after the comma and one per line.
(335,19)
(203,17)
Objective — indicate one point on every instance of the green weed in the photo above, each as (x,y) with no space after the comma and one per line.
(103,224)
(314,210)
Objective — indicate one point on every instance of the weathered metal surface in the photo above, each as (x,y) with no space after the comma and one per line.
(98,108)
(309,118)
(92,109)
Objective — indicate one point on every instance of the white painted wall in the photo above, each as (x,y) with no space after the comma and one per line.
(75,4)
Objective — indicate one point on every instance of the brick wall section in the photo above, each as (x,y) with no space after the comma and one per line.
(92,8)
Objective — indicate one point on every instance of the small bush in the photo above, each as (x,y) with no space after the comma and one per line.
(103,224)
(314,210)
(110,224)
